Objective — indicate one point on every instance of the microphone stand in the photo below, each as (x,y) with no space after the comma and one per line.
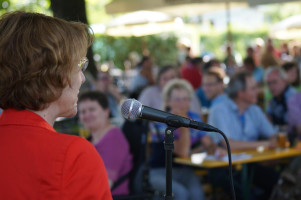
(169,147)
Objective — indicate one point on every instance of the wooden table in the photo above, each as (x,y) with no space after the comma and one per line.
(257,156)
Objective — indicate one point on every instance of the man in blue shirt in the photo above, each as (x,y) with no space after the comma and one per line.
(213,85)
(243,122)
(212,90)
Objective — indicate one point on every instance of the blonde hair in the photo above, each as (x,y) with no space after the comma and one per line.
(37,55)
(173,85)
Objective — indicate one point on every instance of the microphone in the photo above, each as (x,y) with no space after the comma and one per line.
(132,109)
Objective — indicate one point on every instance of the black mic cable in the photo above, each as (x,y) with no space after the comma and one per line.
(132,109)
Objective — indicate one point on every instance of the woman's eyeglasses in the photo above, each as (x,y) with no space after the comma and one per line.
(83,63)
(180,99)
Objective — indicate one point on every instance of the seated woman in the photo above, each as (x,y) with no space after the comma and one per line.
(185,184)
(108,140)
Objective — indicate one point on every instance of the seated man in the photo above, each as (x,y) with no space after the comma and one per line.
(281,91)
(243,122)
(213,85)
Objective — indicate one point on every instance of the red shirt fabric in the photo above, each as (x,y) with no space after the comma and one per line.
(39,163)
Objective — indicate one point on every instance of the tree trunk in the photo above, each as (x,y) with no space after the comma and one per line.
(74,10)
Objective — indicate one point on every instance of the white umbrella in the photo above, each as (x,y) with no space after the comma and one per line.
(287,29)
(142,23)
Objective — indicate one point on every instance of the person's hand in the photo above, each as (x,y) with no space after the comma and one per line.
(211,149)
(209,145)
(272,142)
(220,152)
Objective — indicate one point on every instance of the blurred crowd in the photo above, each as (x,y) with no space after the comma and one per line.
(254,102)
(251,102)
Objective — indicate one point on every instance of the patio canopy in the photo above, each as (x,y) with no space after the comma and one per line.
(287,29)
(141,23)
(182,7)
(174,7)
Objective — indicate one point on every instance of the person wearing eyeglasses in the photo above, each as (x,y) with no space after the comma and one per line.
(186,184)
(42,60)
(278,85)
(246,127)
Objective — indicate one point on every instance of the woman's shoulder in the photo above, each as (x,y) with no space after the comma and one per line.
(73,141)
(115,138)
(115,130)
(116,134)
(72,148)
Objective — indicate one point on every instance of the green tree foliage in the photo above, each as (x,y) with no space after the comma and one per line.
(4,5)
(277,12)
(215,43)
(96,11)
(162,48)
(41,6)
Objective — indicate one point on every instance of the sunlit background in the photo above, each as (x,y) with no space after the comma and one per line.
(123,32)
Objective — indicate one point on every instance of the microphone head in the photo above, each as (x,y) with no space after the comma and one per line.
(131,109)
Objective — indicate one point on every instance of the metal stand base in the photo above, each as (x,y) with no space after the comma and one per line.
(169,147)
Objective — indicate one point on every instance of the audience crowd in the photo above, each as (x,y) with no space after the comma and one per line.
(251,102)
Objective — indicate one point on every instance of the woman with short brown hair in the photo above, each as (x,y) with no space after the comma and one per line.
(38,54)
(42,60)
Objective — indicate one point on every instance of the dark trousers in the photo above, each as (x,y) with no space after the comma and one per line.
(261,180)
